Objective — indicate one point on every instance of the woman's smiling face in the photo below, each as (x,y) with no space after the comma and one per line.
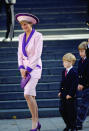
(26,26)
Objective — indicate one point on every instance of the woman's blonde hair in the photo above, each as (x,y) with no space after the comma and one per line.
(83,45)
(69,57)
(21,22)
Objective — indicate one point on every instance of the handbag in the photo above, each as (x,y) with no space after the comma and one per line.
(24,81)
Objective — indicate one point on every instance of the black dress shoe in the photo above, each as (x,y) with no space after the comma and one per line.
(66,129)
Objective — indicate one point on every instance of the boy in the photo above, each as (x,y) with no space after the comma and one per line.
(83,84)
(87,50)
(67,92)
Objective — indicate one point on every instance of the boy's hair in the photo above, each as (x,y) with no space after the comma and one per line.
(83,45)
(69,57)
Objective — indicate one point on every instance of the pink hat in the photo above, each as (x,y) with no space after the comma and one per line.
(27,17)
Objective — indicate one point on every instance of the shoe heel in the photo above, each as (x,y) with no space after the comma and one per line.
(39,126)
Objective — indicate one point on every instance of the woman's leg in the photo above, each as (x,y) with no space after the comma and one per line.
(33,109)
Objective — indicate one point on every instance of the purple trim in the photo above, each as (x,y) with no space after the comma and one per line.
(38,66)
(26,14)
(29,69)
(21,67)
(24,44)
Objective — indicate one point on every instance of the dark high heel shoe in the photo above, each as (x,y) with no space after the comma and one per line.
(34,129)
(39,126)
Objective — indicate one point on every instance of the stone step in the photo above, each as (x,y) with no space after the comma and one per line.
(15,72)
(54,10)
(52,94)
(45,63)
(16,79)
(53,56)
(20,95)
(49,32)
(56,19)
(54,25)
(53,49)
(21,104)
(50,3)
(46,71)
(24,113)
(51,86)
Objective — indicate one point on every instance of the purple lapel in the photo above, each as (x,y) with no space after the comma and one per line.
(24,44)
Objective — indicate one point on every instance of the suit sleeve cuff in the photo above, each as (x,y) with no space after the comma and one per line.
(21,67)
(29,69)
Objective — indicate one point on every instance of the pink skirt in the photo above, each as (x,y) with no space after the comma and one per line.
(30,88)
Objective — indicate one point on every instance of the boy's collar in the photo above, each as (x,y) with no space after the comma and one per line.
(68,69)
(84,58)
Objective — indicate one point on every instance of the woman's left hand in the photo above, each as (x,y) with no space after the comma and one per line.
(23,73)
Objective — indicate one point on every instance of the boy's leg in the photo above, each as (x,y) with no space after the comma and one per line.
(63,112)
(71,113)
(82,111)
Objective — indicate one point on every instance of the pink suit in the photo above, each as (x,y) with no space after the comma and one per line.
(29,58)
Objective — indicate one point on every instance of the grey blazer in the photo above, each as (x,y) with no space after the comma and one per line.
(10,1)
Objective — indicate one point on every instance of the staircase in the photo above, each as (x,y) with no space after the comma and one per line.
(53,13)
(56,15)
(12,102)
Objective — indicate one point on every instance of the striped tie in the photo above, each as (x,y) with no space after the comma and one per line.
(66,73)
(82,60)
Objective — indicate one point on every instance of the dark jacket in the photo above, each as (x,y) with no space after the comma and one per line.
(83,72)
(87,52)
(69,83)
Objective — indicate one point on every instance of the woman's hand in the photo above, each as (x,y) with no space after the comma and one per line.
(68,97)
(23,73)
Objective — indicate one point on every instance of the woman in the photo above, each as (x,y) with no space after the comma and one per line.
(29,61)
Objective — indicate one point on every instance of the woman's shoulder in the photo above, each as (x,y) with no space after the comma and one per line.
(38,34)
(21,35)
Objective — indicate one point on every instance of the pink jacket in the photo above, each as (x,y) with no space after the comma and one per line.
(29,53)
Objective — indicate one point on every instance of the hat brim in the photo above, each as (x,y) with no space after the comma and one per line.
(27,17)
